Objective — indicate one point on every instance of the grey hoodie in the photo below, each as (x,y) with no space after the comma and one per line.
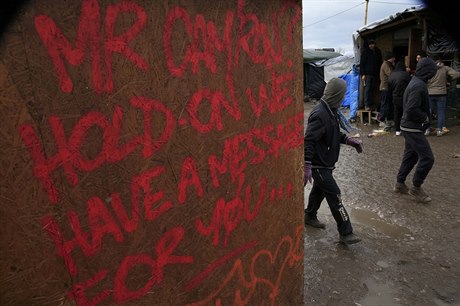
(334,92)
(323,136)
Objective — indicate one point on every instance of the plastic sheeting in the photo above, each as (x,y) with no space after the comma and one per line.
(351,99)
(439,41)
(318,73)
(315,83)
(338,66)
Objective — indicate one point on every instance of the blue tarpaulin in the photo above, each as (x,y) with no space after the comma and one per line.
(351,99)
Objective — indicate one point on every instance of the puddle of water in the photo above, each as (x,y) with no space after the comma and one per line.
(438,302)
(379,294)
(368,218)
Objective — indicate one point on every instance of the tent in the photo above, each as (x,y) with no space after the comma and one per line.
(318,73)
(314,73)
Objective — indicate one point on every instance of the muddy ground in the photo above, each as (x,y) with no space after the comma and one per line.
(410,252)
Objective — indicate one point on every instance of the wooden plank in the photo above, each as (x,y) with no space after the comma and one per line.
(152,153)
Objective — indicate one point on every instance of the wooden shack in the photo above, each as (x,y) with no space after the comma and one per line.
(409,31)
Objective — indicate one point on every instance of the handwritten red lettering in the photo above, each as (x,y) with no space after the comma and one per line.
(189,177)
(78,291)
(119,44)
(69,153)
(229,214)
(254,147)
(59,47)
(241,39)
(276,102)
(164,250)
(89,34)
(196,280)
(193,55)
(288,252)
(101,222)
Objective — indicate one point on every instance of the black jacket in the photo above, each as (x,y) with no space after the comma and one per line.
(397,82)
(370,62)
(323,137)
(416,105)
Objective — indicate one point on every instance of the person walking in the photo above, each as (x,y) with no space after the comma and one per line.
(397,83)
(414,122)
(437,90)
(322,148)
(369,69)
(386,106)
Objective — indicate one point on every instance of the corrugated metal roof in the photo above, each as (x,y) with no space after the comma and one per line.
(313,55)
(390,18)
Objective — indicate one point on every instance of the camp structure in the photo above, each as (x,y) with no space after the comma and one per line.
(320,66)
(407,32)
(314,72)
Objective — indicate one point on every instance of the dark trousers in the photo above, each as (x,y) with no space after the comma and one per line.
(417,151)
(398,111)
(386,105)
(324,186)
(369,88)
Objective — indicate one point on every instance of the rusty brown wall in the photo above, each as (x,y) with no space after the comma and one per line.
(151,153)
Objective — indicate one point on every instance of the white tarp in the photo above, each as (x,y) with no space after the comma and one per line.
(336,66)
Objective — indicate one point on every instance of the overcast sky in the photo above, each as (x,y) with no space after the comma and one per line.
(331,23)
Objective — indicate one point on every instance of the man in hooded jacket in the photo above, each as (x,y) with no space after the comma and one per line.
(414,122)
(322,147)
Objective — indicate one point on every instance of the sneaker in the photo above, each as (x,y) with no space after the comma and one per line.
(445,130)
(427,132)
(419,194)
(349,239)
(400,188)
(314,222)
(439,133)
(398,133)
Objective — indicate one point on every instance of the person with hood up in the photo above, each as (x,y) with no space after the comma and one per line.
(397,83)
(322,141)
(414,122)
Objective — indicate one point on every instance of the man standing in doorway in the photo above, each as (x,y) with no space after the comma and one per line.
(370,62)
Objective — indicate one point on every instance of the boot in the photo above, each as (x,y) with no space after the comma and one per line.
(314,222)
(419,194)
(400,188)
(349,239)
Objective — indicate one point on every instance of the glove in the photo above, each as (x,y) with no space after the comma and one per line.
(355,144)
(307,174)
